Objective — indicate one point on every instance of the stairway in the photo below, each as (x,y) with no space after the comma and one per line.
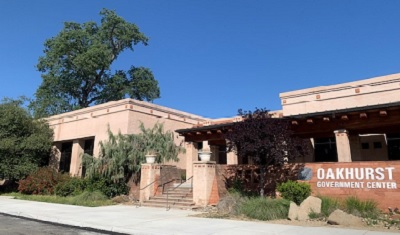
(178,198)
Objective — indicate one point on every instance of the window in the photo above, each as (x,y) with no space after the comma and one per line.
(65,160)
(365,145)
(377,145)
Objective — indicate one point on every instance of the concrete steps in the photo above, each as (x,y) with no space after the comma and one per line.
(180,198)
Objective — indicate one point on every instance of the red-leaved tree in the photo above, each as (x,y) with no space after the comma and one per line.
(266,140)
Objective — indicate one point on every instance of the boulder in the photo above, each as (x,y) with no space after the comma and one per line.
(339,217)
(293,211)
(311,204)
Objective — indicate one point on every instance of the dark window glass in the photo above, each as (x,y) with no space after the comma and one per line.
(365,145)
(325,150)
(65,160)
(377,145)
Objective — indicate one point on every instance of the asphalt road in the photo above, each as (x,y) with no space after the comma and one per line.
(10,225)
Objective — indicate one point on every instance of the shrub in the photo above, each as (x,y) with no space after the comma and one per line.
(71,186)
(237,187)
(366,209)
(294,191)
(265,208)
(106,186)
(42,182)
(329,205)
(91,196)
(230,203)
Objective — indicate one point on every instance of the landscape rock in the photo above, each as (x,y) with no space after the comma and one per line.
(339,217)
(293,211)
(311,204)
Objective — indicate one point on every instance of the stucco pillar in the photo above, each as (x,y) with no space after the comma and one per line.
(55,156)
(149,176)
(231,158)
(343,145)
(76,157)
(203,179)
(191,156)
(206,145)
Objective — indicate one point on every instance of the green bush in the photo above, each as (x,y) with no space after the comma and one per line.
(237,187)
(329,205)
(366,209)
(72,186)
(91,196)
(294,191)
(42,182)
(107,186)
(265,208)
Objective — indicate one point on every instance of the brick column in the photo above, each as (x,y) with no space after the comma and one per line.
(149,176)
(76,157)
(343,145)
(203,182)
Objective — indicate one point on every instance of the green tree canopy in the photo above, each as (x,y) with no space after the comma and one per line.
(25,143)
(76,67)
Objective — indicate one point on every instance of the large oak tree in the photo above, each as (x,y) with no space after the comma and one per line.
(76,67)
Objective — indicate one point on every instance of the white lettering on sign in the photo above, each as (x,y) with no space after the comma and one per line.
(377,178)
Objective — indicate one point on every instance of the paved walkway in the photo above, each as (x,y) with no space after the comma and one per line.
(142,220)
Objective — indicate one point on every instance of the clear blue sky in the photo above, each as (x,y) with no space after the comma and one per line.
(212,57)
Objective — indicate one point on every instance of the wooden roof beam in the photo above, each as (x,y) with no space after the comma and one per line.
(363,115)
(344,117)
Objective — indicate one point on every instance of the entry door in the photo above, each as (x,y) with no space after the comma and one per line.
(66,153)
(325,150)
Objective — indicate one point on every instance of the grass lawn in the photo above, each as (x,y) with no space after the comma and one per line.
(90,199)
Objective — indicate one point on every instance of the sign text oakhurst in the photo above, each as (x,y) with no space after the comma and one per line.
(372,178)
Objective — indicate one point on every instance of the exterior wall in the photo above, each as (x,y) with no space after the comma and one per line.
(374,91)
(120,116)
(373,153)
(366,187)
(369,185)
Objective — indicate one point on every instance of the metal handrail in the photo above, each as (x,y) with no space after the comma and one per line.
(161,177)
(191,188)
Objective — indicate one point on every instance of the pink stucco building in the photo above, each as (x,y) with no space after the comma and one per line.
(81,130)
(353,127)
